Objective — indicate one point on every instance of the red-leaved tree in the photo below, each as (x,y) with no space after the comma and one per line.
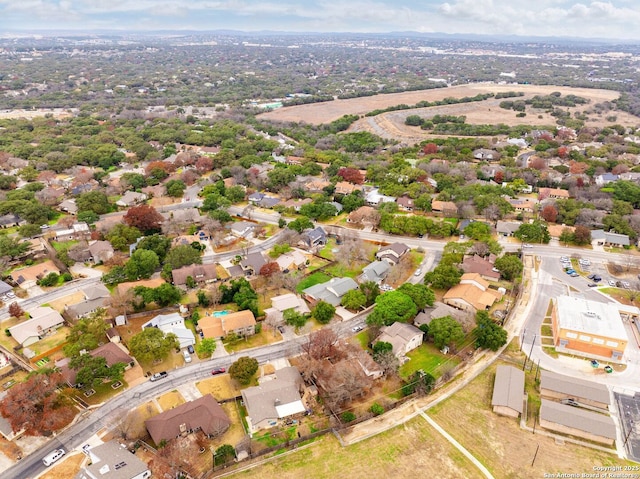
(36,406)
(269,269)
(352,175)
(144,217)
(549,213)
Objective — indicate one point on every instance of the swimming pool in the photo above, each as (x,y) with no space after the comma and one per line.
(217,314)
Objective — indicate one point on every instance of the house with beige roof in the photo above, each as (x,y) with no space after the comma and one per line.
(44,321)
(27,277)
(132,198)
(402,336)
(241,323)
(553,193)
(200,273)
(445,208)
(508,391)
(95,297)
(276,398)
(281,303)
(114,461)
(472,294)
(203,413)
(112,353)
(346,188)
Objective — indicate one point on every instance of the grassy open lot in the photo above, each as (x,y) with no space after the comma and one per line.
(363,339)
(500,444)
(59,304)
(312,279)
(341,270)
(221,387)
(170,400)
(414,449)
(327,251)
(428,358)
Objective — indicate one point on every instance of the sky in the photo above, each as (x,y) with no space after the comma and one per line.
(614,19)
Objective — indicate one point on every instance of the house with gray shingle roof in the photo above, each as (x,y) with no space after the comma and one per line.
(376,272)
(331,292)
(508,391)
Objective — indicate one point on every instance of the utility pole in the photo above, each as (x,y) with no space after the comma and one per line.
(536,454)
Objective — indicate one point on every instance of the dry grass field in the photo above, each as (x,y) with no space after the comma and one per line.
(220,387)
(69,467)
(391,125)
(170,400)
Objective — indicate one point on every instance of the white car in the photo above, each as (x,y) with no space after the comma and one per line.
(527,245)
(626,284)
(418,272)
(612,283)
(357,329)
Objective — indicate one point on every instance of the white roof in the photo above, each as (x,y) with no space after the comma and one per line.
(290,409)
(592,317)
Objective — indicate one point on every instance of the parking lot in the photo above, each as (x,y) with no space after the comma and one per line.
(596,272)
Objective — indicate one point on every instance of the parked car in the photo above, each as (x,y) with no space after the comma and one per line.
(618,284)
(612,282)
(625,284)
(357,329)
(418,272)
(158,376)
(570,271)
(570,402)
(218,371)
(595,363)
(597,278)
(281,329)
(187,356)
(591,276)
(527,245)
(564,259)
(608,369)
(190,349)
(53,456)
(592,285)
(574,275)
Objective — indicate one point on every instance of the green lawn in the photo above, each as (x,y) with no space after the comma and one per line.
(315,278)
(453,221)
(340,270)
(428,359)
(363,339)
(327,251)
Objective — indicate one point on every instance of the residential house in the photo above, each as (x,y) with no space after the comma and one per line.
(375,198)
(27,277)
(200,273)
(7,431)
(107,222)
(314,238)
(605,238)
(557,386)
(113,460)
(296,203)
(253,263)
(44,321)
(405,203)
(508,391)
(376,272)
(553,193)
(132,198)
(331,292)
(4,288)
(281,303)
(365,216)
(69,206)
(203,413)
(606,178)
(337,206)
(346,188)
(77,231)
(110,351)
(95,297)
(316,185)
(588,328)
(242,229)
(445,208)
(440,310)
(392,253)
(472,294)
(274,399)
(507,228)
(293,260)
(522,205)
(172,323)
(240,323)
(577,422)
(484,154)
(402,336)
(483,266)
(268,202)
(100,251)
(186,215)
(10,220)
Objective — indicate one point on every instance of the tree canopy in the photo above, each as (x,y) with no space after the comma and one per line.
(445,331)
(152,344)
(243,369)
(391,307)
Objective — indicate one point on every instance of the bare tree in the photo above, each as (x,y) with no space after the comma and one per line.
(129,427)
(323,344)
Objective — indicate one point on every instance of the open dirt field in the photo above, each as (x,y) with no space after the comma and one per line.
(318,113)
(414,449)
(170,400)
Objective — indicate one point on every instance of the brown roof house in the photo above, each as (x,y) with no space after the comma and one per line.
(405,203)
(483,266)
(472,294)
(44,320)
(402,336)
(101,251)
(508,391)
(114,461)
(111,352)
(365,215)
(201,273)
(392,253)
(577,422)
(445,208)
(27,277)
(132,198)
(346,188)
(203,413)
(241,323)
(555,193)
(276,398)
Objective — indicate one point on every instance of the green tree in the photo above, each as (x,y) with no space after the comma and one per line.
(443,276)
(371,291)
(95,201)
(294,318)
(535,232)
(157,243)
(354,300)
(445,331)
(152,344)
(12,247)
(87,334)
(510,266)
(381,347)
(477,230)
(175,188)
(166,294)
(29,230)
(323,312)
(300,224)
(206,347)
(49,280)
(391,307)
(93,370)
(243,370)
(421,295)
(488,334)
(142,264)
(419,382)
(180,256)
(88,217)
(224,454)
(121,236)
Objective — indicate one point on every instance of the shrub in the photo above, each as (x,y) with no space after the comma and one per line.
(376,409)
(347,416)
